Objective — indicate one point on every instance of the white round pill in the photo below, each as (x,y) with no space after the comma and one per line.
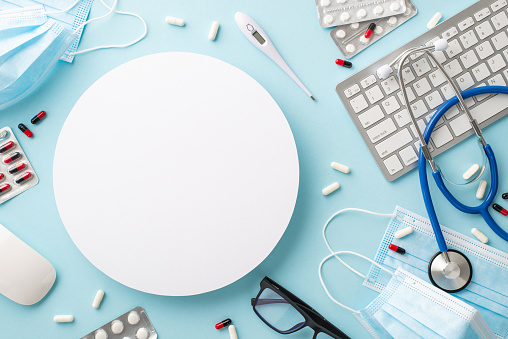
(142,333)
(392,21)
(355,25)
(116,327)
(341,1)
(345,16)
(378,10)
(378,30)
(350,48)
(101,334)
(407,12)
(362,13)
(340,34)
(133,318)
(395,7)
(364,40)
(328,19)
(325,2)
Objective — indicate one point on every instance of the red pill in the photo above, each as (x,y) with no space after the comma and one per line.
(343,63)
(4,188)
(17,168)
(500,209)
(2,176)
(7,146)
(41,115)
(369,31)
(23,178)
(223,323)
(25,130)
(12,157)
(397,249)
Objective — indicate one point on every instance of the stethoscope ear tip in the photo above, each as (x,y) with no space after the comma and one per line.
(384,71)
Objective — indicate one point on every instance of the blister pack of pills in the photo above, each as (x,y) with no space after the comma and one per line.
(16,173)
(350,39)
(340,12)
(131,325)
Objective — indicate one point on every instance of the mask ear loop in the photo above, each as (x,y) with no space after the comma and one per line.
(347,252)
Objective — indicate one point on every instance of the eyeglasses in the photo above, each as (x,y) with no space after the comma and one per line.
(286,313)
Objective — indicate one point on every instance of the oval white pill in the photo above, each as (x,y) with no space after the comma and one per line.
(379,30)
(471,171)
(350,48)
(378,10)
(133,318)
(142,333)
(434,20)
(98,298)
(63,318)
(362,13)
(175,21)
(345,16)
(232,332)
(340,34)
(392,21)
(328,19)
(325,2)
(403,232)
(117,326)
(395,7)
(355,25)
(101,334)
(340,167)
(331,188)
(481,189)
(480,236)
(213,31)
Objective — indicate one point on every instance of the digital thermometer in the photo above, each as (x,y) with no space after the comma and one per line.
(258,37)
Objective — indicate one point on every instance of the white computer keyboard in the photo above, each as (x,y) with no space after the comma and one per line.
(477,55)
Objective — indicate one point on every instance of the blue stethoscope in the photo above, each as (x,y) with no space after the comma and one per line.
(449,269)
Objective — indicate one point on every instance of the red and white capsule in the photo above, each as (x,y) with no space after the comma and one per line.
(22,178)
(4,188)
(7,146)
(17,168)
(12,157)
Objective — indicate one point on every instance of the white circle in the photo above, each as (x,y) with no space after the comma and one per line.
(133,318)
(340,34)
(355,25)
(116,327)
(101,334)
(350,48)
(378,10)
(341,1)
(395,7)
(392,21)
(362,13)
(328,19)
(378,30)
(142,333)
(172,165)
(325,2)
(345,16)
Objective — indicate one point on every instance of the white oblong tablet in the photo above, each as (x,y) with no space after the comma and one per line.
(403,232)
(101,334)
(481,189)
(471,171)
(345,16)
(378,10)
(63,318)
(142,333)
(331,188)
(232,332)
(355,25)
(340,34)
(350,48)
(395,7)
(98,299)
(434,20)
(133,318)
(340,167)
(213,31)
(328,19)
(117,326)
(480,236)
(175,21)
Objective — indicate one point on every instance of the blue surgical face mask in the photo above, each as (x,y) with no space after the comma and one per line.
(408,307)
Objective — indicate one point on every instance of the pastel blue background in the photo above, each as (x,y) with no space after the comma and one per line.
(323,132)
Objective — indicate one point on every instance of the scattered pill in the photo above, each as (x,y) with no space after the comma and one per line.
(340,34)
(4,188)
(480,236)
(369,30)
(505,196)
(379,30)
(392,21)
(345,16)
(340,167)
(403,232)
(362,13)
(11,157)
(117,326)
(350,48)
(133,318)
(500,209)
(343,63)
(434,20)
(331,188)
(16,168)
(4,135)
(213,31)
(471,171)
(328,19)
(481,189)
(395,6)
(142,333)
(223,323)
(355,25)
(378,10)
(21,179)
(175,21)
(325,2)
(25,130)
(41,115)
(397,249)
(232,332)
(98,298)
(7,146)
(2,176)
(63,318)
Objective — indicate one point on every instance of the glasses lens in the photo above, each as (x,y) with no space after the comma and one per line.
(322,335)
(276,311)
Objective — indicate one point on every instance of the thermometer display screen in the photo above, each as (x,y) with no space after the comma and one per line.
(258,37)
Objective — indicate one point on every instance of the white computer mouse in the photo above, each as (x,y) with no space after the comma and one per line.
(25,275)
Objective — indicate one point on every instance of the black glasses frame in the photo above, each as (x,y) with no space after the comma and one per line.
(313,319)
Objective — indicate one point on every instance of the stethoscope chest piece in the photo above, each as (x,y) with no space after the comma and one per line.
(450,275)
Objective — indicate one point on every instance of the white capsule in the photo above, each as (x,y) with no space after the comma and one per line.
(480,236)
(175,21)
(434,20)
(232,332)
(481,189)
(471,171)
(331,188)
(403,232)
(63,318)
(117,326)
(98,298)
(340,34)
(213,31)
(340,167)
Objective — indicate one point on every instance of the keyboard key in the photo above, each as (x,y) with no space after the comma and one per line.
(422,86)
(453,68)
(453,48)
(410,95)
(460,125)
(489,108)
(465,81)
(352,91)
(468,59)
(496,6)
(469,102)
(421,126)
(374,94)
(429,116)
(393,164)
(371,116)
(465,24)
(381,130)
(505,72)
(407,75)
(393,143)
(497,81)
(441,136)
(434,99)
(481,72)
(390,85)
(418,108)
(447,91)
(408,155)
(437,78)
(390,105)
(484,30)
(371,79)
(359,103)
(452,112)
(484,96)
(440,56)
(479,16)
(450,33)
(421,66)
(402,118)
(500,41)
(484,50)
(468,39)
(499,20)
(496,63)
